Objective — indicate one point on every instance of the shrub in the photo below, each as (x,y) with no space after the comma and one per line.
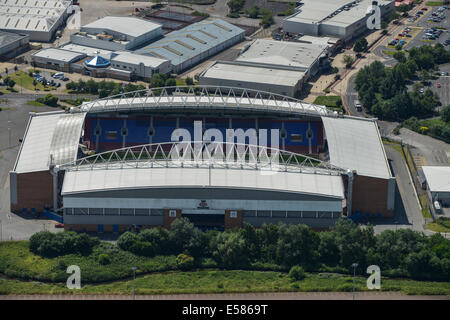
(185,262)
(297,273)
(126,240)
(143,248)
(104,259)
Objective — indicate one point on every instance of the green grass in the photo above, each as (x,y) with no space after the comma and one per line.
(391,53)
(18,262)
(329,101)
(440,225)
(35,103)
(24,80)
(434,3)
(425,210)
(221,281)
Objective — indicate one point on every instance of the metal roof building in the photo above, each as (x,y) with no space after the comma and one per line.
(344,19)
(117,33)
(189,46)
(438,181)
(11,43)
(57,55)
(37,18)
(276,66)
(140,65)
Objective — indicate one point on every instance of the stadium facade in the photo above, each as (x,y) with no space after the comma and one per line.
(118,162)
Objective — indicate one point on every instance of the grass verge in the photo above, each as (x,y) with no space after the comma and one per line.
(440,225)
(226,281)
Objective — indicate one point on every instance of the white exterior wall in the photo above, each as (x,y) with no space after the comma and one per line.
(219,204)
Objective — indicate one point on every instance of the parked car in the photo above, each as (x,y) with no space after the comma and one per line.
(438,85)
(59,225)
(421,90)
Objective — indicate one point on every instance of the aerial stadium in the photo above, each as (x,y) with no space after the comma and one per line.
(118,163)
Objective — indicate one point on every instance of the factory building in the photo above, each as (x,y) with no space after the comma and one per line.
(12,44)
(140,66)
(57,59)
(117,33)
(343,19)
(195,43)
(39,19)
(438,182)
(268,65)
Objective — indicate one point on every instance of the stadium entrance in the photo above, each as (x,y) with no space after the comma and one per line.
(206,220)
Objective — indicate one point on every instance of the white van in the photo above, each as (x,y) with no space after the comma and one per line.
(437,207)
(358,106)
(58,75)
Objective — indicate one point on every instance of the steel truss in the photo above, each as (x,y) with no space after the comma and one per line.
(205,98)
(222,155)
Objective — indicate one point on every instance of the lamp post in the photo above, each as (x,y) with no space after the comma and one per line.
(354,265)
(134,280)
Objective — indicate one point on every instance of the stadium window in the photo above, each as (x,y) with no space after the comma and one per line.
(156,212)
(142,212)
(263,213)
(80,211)
(296,137)
(249,213)
(111,135)
(233,214)
(126,212)
(96,211)
(172,213)
(111,212)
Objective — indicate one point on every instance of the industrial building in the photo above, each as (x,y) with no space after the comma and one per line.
(343,19)
(135,177)
(12,44)
(438,182)
(191,45)
(57,59)
(143,67)
(117,33)
(268,65)
(37,18)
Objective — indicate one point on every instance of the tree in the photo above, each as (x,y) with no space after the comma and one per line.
(253,12)
(399,56)
(170,82)
(445,114)
(127,240)
(360,45)
(235,5)
(348,60)
(189,81)
(403,8)
(185,262)
(231,250)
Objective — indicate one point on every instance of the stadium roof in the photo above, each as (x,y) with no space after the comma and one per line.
(55,133)
(130,26)
(113,179)
(289,54)
(438,178)
(355,144)
(31,15)
(128,57)
(252,73)
(59,54)
(191,41)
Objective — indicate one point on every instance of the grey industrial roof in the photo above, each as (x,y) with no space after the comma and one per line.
(356,144)
(285,53)
(89,51)
(313,11)
(113,179)
(131,26)
(129,57)
(59,54)
(31,15)
(184,44)
(249,73)
(48,133)
(438,178)
(9,37)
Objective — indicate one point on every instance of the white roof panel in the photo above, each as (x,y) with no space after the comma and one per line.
(438,178)
(356,144)
(59,54)
(132,26)
(111,179)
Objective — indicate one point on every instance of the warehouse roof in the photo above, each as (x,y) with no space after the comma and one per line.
(290,54)
(355,144)
(9,37)
(252,73)
(128,57)
(59,54)
(89,51)
(131,26)
(191,41)
(313,11)
(31,15)
(113,179)
(438,178)
(48,133)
